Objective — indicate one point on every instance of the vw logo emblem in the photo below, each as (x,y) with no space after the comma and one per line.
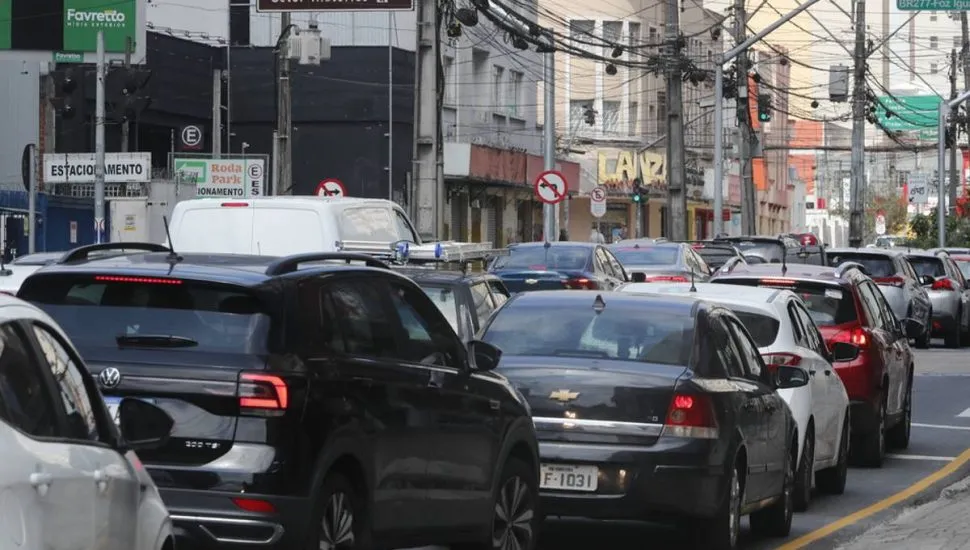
(109,377)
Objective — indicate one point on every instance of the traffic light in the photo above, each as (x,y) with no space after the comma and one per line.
(66,88)
(764,107)
(126,89)
(638,191)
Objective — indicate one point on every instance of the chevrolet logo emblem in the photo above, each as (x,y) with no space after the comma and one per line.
(531,281)
(563,395)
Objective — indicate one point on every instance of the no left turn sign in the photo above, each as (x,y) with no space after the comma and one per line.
(551,187)
(331,187)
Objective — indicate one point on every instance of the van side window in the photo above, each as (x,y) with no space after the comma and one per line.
(368,223)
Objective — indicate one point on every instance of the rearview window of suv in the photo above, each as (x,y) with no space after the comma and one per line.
(876,266)
(927,266)
(827,304)
(151,312)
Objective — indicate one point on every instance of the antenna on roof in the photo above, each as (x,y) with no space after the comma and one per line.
(784,262)
(599,304)
(693,287)
(172,256)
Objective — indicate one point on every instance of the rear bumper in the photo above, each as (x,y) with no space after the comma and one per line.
(673,479)
(210,519)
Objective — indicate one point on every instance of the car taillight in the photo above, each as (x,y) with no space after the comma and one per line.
(263,393)
(581,283)
(691,415)
(782,359)
(254,505)
(857,336)
(942,284)
(234,204)
(666,279)
(141,280)
(891,281)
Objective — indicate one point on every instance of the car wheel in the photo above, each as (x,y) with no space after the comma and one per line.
(832,480)
(515,515)
(340,516)
(804,475)
(723,531)
(898,436)
(872,446)
(775,520)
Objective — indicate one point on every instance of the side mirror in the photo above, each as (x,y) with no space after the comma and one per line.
(912,328)
(927,280)
(638,277)
(483,356)
(712,270)
(769,377)
(791,377)
(844,352)
(143,425)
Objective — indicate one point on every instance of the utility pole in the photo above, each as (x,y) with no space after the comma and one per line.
(217,117)
(550,212)
(965,58)
(428,179)
(749,212)
(99,143)
(954,182)
(856,208)
(125,125)
(676,169)
(284,122)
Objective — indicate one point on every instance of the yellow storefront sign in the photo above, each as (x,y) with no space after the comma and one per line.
(617,169)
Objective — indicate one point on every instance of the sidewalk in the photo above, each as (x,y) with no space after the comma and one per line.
(943,524)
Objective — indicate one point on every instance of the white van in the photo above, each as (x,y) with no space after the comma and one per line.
(280,226)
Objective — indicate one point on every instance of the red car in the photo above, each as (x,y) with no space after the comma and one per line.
(848,307)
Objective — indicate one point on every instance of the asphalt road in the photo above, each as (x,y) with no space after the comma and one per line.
(941,432)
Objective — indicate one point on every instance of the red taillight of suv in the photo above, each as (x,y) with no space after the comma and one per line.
(857,336)
(942,284)
(891,281)
(263,394)
(581,283)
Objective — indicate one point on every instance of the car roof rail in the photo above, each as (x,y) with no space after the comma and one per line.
(82,253)
(289,264)
(845,266)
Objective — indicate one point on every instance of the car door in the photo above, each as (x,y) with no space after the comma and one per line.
(618,269)
(751,420)
(919,299)
(884,333)
(466,409)
(483,304)
(825,394)
(116,486)
(902,355)
(773,407)
(961,283)
(360,371)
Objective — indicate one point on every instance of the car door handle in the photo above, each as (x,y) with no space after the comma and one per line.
(41,482)
(435,380)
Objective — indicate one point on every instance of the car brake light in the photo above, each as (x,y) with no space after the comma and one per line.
(255,505)
(942,284)
(697,246)
(782,359)
(234,204)
(263,392)
(666,279)
(581,283)
(143,280)
(771,281)
(891,281)
(858,336)
(691,415)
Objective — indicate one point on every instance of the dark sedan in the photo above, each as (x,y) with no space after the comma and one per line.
(651,408)
(558,265)
(661,262)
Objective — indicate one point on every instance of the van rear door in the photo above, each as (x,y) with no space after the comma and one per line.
(213,227)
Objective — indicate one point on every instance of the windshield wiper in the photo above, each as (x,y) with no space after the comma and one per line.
(154,341)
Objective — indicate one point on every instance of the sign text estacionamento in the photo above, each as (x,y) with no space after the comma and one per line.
(81,168)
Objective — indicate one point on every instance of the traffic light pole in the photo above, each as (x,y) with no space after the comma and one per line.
(99,144)
(719,108)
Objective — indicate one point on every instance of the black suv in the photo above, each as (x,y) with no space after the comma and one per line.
(314,404)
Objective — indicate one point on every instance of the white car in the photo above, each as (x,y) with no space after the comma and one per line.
(786,336)
(12,275)
(70,478)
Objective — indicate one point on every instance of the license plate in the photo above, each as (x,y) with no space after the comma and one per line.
(113,404)
(563,477)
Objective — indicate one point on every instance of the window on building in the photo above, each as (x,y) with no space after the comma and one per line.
(577,112)
(450,74)
(611,117)
(652,37)
(515,93)
(633,34)
(934,43)
(633,118)
(581,29)
(612,34)
(934,68)
(498,88)
(710,56)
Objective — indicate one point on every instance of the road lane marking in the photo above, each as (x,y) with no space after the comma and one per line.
(876,507)
(941,426)
(922,457)
(964,414)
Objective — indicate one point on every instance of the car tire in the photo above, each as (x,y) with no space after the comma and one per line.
(775,520)
(898,436)
(831,481)
(803,477)
(951,338)
(340,519)
(515,511)
(723,530)
(872,446)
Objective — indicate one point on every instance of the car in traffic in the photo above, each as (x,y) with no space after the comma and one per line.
(902,287)
(848,307)
(963,262)
(650,409)
(661,262)
(12,275)
(786,336)
(717,255)
(558,265)
(70,476)
(311,394)
(466,298)
(772,250)
(949,295)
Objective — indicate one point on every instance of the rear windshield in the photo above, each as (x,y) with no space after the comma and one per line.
(715,257)
(927,266)
(542,258)
(444,298)
(770,252)
(763,328)
(647,335)
(109,310)
(827,305)
(42,258)
(645,255)
(876,266)
(964,265)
